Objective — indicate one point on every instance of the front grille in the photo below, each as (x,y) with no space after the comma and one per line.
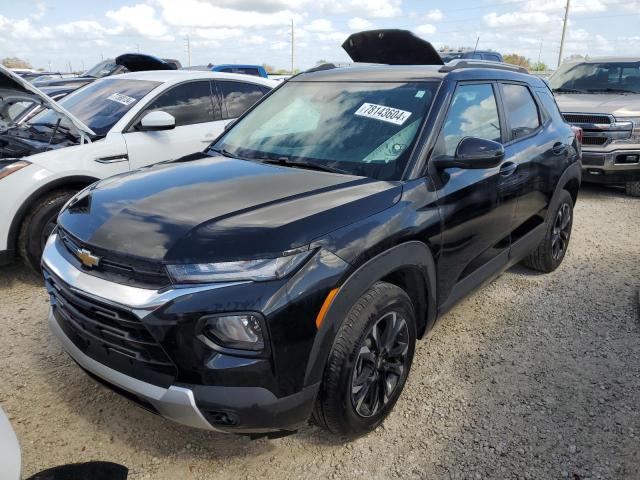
(587,118)
(598,141)
(118,267)
(596,161)
(109,334)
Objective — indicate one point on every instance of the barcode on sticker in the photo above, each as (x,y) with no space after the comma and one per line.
(380,112)
(120,98)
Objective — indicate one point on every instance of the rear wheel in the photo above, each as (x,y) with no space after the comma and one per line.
(38,225)
(633,189)
(553,247)
(368,363)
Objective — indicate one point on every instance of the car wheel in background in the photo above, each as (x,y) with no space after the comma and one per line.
(368,363)
(38,225)
(551,251)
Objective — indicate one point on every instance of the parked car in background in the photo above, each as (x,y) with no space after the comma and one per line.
(255,70)
(448,55)
(113,125)
(602,96)
(289,270)
(128,62)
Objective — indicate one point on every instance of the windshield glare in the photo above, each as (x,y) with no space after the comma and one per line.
(598,77)
(365,129)
(102,69)
(100,104)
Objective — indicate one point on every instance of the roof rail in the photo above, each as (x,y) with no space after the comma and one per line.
(464,63)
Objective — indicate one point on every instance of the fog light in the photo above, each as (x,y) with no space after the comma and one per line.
(242,331)
(627,159)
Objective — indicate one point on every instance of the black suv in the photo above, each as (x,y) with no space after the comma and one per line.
(289,269)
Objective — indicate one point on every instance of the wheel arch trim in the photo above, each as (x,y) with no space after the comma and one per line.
(411,254)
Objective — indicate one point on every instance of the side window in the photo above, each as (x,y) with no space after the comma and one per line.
(249,71)
(239,96)
(549,104)
(189,103)
(492,57)
(477,56)
(473,113)
(522,110)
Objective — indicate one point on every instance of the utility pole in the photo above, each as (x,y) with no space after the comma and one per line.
(540,51)
(564,31)
(188,47)
(292,46)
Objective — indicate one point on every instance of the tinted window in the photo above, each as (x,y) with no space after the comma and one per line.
(477,56)
(473,113)
(521,110)
(493,58)
(100,104)
(549,104)
(189,103)
(239,96)
(363,128)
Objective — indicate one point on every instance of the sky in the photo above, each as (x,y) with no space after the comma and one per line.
(54,34)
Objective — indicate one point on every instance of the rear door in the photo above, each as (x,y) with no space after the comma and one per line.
(476,209)
(199,121)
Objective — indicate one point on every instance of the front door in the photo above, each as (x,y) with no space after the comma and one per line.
(198,122)
(476,205)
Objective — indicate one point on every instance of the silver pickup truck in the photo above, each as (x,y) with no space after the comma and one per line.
(602,96)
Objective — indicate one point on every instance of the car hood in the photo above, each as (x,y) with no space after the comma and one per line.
(616,104)
(391,47)
(139,62)
(12,86)
(220,209)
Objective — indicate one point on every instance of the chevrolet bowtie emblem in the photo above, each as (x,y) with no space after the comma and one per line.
(87,258)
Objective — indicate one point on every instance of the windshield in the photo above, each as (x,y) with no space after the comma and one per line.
(102,69)
(597,77)
(365,129)
(100,104)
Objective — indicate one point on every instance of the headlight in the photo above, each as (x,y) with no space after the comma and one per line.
(7,167)
(247,270)
(243,330)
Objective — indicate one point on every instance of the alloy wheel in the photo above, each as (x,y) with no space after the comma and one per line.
(381,364)
(561,231)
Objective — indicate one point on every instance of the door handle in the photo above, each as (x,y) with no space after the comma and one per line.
(559,148)
(508,168)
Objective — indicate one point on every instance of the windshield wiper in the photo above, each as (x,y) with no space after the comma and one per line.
(288,162)
(610,90)
(224,152)
(567,90)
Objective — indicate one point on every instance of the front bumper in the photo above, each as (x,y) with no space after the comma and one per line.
(610,167)
(202,388)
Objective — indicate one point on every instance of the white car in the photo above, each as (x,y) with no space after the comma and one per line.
(110,126)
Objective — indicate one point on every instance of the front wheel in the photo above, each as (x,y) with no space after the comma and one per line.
(553,247)
(38,225)
(368,363)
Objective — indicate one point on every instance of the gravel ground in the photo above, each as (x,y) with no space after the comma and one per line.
(536,376)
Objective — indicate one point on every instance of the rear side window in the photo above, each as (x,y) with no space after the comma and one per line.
(239,96)
(473,113)
(549,104)
(492,57)
(522,110)
(189,103)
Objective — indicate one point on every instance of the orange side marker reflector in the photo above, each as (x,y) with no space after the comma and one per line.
(325,306)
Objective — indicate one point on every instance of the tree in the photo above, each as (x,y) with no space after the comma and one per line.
(539,67)
(515,59)
(268,68)
(15,62)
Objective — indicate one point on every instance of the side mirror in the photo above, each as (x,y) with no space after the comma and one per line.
(157,120)
(473,152)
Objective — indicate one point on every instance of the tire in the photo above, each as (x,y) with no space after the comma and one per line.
(549,254)
(37,226)
(632,189)
(357,367)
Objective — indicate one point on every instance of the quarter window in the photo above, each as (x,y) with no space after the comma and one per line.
(189,103)
(473,113)
(239,96)
(521,110)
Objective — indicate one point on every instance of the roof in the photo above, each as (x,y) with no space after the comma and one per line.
(177,76)
(418,73)
(606,60)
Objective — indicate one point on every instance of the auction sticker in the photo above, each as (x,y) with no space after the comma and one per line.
(120,98)
(380,112)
